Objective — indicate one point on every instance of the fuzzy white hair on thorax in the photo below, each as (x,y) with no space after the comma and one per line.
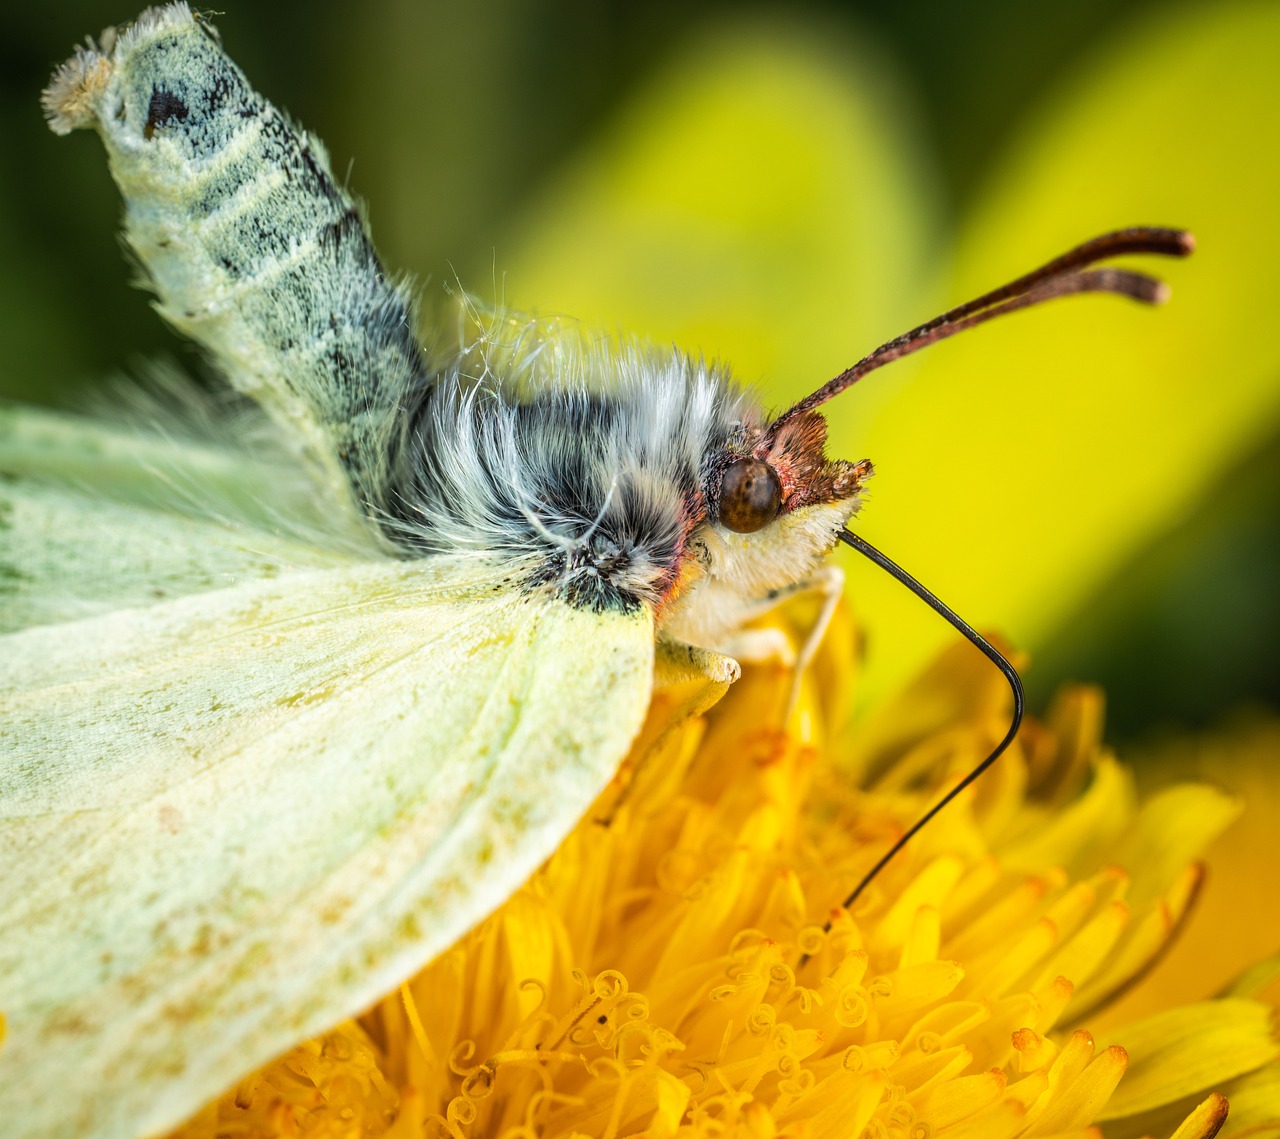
(578,455)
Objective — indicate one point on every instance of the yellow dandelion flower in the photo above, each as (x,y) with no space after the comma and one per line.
(668,972)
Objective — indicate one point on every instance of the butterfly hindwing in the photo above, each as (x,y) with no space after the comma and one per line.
(268,804)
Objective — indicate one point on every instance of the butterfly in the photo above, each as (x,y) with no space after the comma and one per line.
(293,698)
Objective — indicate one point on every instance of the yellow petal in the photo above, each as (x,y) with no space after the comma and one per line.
(923,938)
(1241,893)
(929,888)
(673,1098)
(1204,1044)
(1034,1051)
(1081,1099)
(1204,1122)
(1255,1101)
(1002,1121)
(1083,830)
(1172,828)
(1088,949)
(957,1100)
(1144,943)
(1071,1061)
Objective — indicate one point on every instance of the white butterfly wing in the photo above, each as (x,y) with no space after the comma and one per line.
(82,554)
(95,517)
(231,819)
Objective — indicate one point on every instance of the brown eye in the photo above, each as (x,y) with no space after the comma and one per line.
(750,496)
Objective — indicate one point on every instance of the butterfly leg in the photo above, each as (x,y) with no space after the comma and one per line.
(828,582)
(687,680)
(757,645)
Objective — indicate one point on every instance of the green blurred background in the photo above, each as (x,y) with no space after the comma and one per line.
(538,148)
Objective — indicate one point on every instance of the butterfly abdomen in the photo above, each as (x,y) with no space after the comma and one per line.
(251,246)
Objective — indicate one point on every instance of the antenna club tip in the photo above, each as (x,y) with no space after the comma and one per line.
(1163,240)
(1161,293)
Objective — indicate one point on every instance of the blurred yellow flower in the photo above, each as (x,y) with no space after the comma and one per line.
(1243,894)
(667,972)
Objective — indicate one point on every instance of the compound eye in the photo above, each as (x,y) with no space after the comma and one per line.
(750,496)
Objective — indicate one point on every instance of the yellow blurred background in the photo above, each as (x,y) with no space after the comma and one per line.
(783,187)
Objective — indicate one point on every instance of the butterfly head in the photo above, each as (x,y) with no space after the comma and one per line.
(773,505)
(780,471)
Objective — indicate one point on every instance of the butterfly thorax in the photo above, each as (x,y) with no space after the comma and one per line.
(595,469)
(591,484)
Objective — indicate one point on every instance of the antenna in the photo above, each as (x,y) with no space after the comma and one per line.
(1062,277)
(978,641)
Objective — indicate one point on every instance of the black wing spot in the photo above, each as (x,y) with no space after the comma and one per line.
(164,108)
